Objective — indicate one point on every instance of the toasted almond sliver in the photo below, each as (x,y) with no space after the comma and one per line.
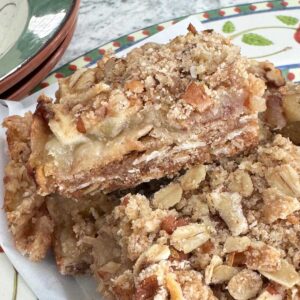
(189,237)
(286,275)
(223,273)
(167,196)
(193,177)
(173,287)
(236,244)
(215,261)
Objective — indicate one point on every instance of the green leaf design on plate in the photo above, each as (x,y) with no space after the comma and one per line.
(256,40)
(228,27)
(288,20)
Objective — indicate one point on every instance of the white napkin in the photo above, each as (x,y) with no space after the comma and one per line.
(43,277)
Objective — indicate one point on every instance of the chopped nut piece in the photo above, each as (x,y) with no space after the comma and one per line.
(167,196)
(146,289)
(286,275)
(262,257)
(223,273)
(293,219)
(278,205)
(241,183)
(170,223)
(193,177)
(266,295)
(293,293)
(189,237)
(195,95)
(274,76)
(154,254)
(236,259)
(173,287)
(135,86)
(229,207)
(207,247)
(177,255)
(191,28)
(285,178)
(80,125)
(215,261)
(236,244)
(245,285)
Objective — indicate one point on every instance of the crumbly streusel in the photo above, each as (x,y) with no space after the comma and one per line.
(231,232)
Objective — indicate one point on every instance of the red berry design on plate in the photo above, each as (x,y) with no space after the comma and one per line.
(130,38)
(146,32)
(72,67)
(290,76)
(297,35)
(43,85)
(270,4)
(87,58)
(116,44)
(283,3)
(237,9)
(102,51)
(221,13)
(59,75)
(160,28)
(252,7)
(206,15)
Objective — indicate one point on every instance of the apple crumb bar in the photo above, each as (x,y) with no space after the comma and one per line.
(26,212)
(226,228)
(220,231)
(148,115)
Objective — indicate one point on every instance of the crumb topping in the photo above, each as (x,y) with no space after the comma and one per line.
(221,230)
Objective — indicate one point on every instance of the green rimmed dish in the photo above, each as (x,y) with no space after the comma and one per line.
(31,31)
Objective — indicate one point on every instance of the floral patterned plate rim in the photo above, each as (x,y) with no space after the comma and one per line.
(284,16)
(229,17)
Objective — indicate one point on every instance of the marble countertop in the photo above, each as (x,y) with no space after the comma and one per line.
(100,21)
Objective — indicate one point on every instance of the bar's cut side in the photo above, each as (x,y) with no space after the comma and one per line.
(74,221)
(27,216)
(148,115)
